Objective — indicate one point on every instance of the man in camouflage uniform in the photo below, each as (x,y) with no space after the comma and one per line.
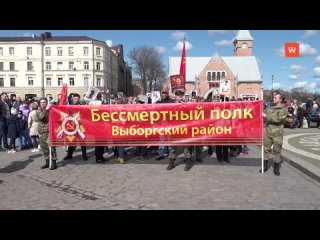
(275,118)
(186,149)
(43,117)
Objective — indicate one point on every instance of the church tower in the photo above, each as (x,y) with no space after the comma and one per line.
(243,43)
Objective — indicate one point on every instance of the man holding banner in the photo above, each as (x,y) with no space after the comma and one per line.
(43,128)
(275,118)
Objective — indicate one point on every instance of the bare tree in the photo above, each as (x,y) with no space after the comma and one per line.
(147,64)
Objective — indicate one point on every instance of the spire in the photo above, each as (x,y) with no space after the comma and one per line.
(244,35)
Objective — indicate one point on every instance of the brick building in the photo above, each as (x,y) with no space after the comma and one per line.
(232,76)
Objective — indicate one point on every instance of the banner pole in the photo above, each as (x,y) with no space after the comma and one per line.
(262,158)
(50,157)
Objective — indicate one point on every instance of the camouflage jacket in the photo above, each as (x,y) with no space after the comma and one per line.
(275,118)
(43,117)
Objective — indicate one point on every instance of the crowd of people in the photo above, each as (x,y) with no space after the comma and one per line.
(27,121)
(301,115)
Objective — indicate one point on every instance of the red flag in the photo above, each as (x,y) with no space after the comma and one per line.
(63,95)
(183,61)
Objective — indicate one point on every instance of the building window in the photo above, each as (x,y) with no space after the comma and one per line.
(29,51)
(98,82)
(208,76)
(71,65)
(59,66)
(48,81)
(29,66)
(71,81)
(30,81)
(98,52)
(98,65)
(60,81)
(218,76)
(86,81)
(48,65)
(71,51)
(12,67)
(11,51)
(1,51)
(86,65)
(12,82)
(1,82)
(223,75)
(48,51)
(59,50)
(1,66)
(213,76)
(85,51)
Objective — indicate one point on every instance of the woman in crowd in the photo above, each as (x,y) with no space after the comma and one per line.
(12,130)
(33,127)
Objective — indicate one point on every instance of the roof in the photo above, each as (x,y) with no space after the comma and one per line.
(52,39)
(246,68)
(244,35)
(194,66)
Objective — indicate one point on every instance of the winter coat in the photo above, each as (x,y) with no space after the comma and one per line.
(166,100)
(22,124)
(25,111)
(314,114)
(33,123)
(13,127)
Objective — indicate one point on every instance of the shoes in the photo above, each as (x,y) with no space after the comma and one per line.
(54,165)
(121,160)
(85,158)
(276,169)
(226,160)
(265,166)
(99,161)
(171,164)
(67,157)
(159,158)
(46,165)
(3,149)
(188,164)
(199,160)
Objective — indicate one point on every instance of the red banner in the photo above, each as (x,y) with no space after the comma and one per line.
(177,83)
(178,124)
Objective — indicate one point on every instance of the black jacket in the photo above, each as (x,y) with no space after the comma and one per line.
(3,110)
(166,100)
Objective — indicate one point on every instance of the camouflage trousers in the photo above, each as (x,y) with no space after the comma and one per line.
(186,151)
(277,146)
(43,139)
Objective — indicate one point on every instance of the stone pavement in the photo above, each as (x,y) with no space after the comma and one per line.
(210,185)
(301,148)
